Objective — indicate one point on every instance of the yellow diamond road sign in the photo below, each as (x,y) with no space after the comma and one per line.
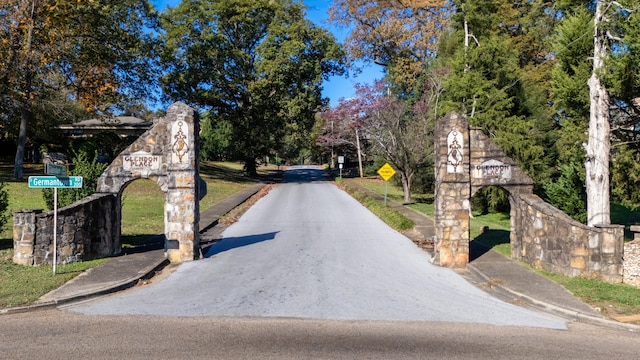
(386,171)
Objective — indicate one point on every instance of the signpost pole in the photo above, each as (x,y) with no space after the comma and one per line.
(385,192)
(58,180)
(55,229)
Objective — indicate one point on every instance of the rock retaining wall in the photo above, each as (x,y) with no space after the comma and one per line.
(547,238)
(86,229)
(541,235)
(168,154)
(632,258)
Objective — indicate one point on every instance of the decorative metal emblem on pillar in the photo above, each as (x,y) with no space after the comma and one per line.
(180,138)
(455,154)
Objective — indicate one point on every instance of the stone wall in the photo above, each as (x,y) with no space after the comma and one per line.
(87,229)
(632,258)
(549,239)
(541,235)
(168,154)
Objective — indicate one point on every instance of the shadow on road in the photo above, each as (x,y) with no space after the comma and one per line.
(305,174)
(229,243)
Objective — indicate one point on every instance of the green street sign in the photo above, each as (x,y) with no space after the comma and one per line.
(55,170)
(55,182)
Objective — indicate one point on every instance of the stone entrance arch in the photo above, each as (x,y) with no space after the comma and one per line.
(90,228)
(541,235)
(168,154)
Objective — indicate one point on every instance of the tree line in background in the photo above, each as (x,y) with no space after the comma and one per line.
(252,67)
(554,83)
(61,61)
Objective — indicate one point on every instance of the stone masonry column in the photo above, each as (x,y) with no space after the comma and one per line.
(168,154)
(24,235)
(182,212)
(452,192)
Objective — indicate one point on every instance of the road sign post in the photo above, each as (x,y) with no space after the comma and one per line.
(386,172)
(340,164)
(55,182)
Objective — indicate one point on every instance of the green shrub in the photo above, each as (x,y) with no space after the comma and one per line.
(423,181)
(625,176)
(568,193)
(491,199)
(85,166)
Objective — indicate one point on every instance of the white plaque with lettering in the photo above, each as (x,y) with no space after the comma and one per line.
(492,169)
(141,160)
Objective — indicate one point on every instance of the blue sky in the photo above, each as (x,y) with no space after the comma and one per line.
(336,87)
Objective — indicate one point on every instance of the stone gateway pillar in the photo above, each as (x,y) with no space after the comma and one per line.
(466,161)
(452,192)
(168,154)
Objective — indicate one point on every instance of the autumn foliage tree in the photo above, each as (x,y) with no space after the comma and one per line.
(342,132)
(397,129)
(60,58)
(400,35)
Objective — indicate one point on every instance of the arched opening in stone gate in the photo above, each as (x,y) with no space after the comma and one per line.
(142,216)
(490,222)
(466,161)
(168,155)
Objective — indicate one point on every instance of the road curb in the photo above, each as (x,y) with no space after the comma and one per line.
(564,313)
(567,314)
(125,284)
(232,202)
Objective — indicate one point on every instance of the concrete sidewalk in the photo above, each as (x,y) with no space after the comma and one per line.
(491,271)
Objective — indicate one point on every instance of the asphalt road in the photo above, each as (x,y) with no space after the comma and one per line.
(306,274)
(62,335)
(307,250)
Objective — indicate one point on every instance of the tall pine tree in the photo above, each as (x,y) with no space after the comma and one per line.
(500,73)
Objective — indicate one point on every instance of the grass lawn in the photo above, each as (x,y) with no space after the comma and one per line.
(142,215)
(143,201)
(390,216)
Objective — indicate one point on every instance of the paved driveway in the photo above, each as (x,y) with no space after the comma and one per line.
(309,250)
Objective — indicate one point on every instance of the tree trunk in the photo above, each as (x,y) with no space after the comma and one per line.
(599,146)
(406,186)
(359,153)
(250,168)
(22,140)
(26,102)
